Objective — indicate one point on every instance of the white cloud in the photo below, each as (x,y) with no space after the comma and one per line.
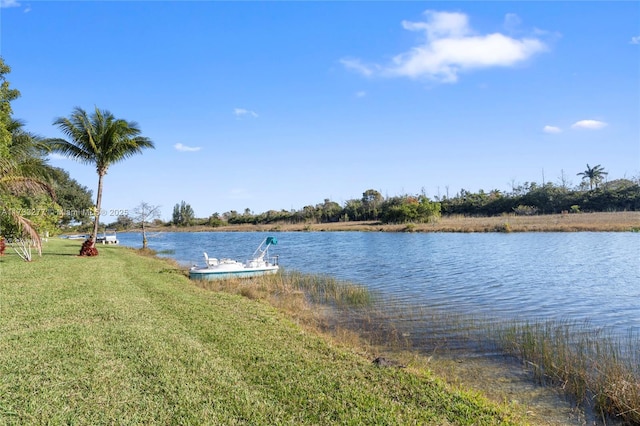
(14,3)
(452,47)
(241,112)
(9,3)
(184,148)
(552,129)
(361,94)
(635,40)
(589,124)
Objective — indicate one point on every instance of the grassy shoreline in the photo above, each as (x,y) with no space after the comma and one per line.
(578,222)
(129,339)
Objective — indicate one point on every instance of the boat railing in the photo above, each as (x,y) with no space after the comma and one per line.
(263,249)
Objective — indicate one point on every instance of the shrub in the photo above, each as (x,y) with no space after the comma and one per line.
(525,210)
(88,249)
(410,227)
(505,227)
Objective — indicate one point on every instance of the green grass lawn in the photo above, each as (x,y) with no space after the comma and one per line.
(128,339)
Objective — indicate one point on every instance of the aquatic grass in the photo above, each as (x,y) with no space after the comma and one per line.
(600,371)
(329,290)
(597,368)
(415,326)
(318,288)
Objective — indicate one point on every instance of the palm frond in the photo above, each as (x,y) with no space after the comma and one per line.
(80,130)
(20,185)
(22,140)
(24,177)
(7,167)
(28,229)
(72,150)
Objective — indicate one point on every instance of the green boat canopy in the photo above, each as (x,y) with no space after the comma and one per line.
(271,240)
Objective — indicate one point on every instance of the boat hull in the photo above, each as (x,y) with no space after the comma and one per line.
(209,274)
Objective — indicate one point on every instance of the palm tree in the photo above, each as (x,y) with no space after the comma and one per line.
(595,175)
(99,139)
(23,172)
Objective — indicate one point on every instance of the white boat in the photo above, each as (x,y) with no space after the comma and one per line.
(259,264)
(76,237)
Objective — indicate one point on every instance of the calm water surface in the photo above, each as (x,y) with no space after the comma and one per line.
(574,276)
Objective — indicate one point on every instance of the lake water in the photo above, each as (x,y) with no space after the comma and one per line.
(566,276)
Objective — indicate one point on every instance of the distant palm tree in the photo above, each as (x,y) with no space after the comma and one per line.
(595,175)
(99,139)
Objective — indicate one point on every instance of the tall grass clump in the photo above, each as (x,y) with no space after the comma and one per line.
(329,290)
(598,369)
(318,288)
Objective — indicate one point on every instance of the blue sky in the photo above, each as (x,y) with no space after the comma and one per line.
(278,105)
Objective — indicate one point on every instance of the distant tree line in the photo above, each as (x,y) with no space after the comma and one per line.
(593,195)
(372,206)
(526,199)
(532,198)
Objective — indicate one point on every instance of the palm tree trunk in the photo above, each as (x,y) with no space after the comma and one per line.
(98,208)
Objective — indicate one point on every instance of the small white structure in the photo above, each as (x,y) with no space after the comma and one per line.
(108,239)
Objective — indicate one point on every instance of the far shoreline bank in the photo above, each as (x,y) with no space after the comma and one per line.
(573,222)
